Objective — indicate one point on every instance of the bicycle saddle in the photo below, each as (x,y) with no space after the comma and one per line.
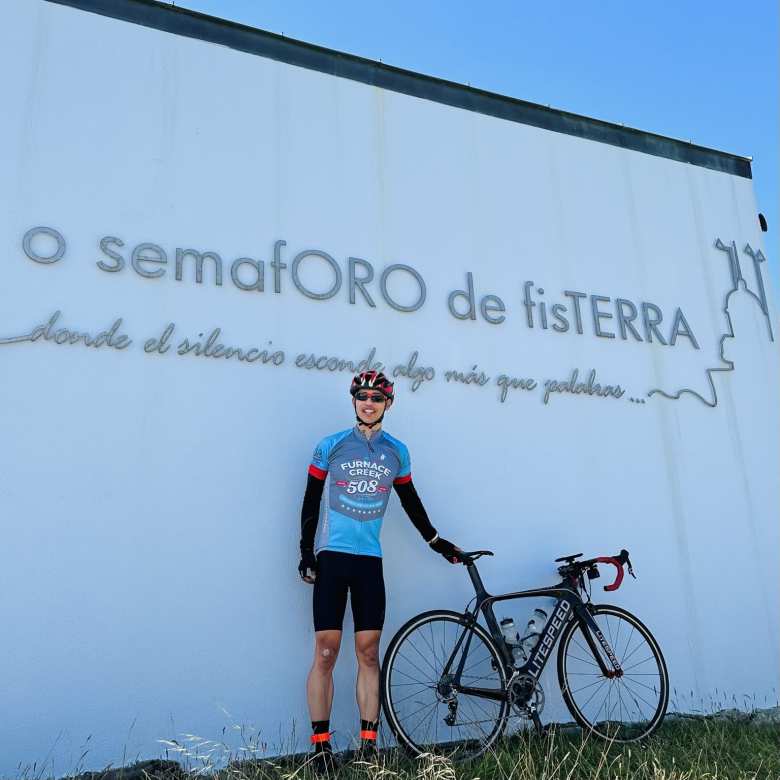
(470,557)
(568,558)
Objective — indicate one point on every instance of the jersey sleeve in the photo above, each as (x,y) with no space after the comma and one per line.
(318,467)
(405,469)
(413,507)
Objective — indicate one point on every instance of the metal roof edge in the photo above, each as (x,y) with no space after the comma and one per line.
(251,40)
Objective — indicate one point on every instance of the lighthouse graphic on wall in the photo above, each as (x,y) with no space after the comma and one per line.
(740,299)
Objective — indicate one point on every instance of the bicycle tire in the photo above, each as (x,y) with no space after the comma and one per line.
(623,694)
(457,742)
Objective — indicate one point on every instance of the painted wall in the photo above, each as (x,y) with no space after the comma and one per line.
(150,499)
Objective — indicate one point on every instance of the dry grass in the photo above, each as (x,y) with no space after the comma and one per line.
(704,749)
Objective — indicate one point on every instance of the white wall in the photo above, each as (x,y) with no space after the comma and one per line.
(150,503)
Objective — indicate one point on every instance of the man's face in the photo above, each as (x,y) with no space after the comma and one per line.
(369,405)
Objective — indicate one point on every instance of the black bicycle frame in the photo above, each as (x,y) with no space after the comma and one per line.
(569,606)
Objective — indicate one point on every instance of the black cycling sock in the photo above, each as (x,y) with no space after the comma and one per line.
(321,735)
(368,730)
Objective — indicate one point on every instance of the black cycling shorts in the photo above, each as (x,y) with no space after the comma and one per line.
(361,575)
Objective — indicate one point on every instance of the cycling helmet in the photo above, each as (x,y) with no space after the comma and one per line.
(371,380)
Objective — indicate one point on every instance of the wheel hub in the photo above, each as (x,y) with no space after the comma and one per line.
(444,690)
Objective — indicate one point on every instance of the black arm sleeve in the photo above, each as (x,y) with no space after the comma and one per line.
(413,507)
(310,511)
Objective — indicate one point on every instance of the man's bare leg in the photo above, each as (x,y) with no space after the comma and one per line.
(367,651)
(319,684)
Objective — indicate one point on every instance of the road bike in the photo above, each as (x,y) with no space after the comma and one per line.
(449,685)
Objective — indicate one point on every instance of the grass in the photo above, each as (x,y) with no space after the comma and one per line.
(705,749)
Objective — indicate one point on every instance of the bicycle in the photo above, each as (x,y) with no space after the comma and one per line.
(449,685)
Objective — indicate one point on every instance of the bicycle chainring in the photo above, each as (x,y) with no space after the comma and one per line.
(525,695)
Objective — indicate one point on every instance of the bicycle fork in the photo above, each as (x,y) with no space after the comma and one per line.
(591,629)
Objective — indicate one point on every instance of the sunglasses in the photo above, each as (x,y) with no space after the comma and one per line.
(375,397)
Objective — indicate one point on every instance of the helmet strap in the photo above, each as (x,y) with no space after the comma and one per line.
(369,425)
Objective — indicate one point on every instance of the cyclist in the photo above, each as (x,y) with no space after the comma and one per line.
(359,465)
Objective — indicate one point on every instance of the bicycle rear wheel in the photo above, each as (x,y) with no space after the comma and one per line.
(425,711)
(623,708)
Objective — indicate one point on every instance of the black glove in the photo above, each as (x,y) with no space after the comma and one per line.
(307,568)
(445,548)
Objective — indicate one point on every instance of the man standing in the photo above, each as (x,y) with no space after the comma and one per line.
(360,465)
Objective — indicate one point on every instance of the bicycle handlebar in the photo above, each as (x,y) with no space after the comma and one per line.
(618,575)
(577,569)
(572,568)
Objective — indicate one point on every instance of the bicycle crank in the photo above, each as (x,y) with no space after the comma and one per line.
(526,696)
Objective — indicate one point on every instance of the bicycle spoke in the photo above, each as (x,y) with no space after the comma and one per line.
(649,658)
(609,631)
(408,676)
(585,649)
(479,721)
(590,685)
(430,647)
(427,709)
(640,713)
(622,708)
(431,720)
(604,701)
(639,682)
(412,663)
(396,702)
(594,693)
(418,708)
(481,660)
(474,701)
(634,693)
(425,658)
(632,700)
(626,658)
(586,661)
(628,644)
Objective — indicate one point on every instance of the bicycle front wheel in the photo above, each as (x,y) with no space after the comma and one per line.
(427,710)
(628,706)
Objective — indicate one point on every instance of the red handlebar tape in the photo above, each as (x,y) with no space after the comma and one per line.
(619,566)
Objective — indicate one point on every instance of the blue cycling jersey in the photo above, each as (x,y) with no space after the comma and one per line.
(360,473)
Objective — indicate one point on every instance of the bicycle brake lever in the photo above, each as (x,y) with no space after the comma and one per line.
(624,559)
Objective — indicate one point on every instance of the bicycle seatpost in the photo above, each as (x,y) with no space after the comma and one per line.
(476,580)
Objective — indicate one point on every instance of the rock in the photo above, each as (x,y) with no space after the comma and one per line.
(732,715)
(770,717)
(676,717)
(143,770)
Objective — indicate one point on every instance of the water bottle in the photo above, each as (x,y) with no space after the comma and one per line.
(512,638)
(533,632)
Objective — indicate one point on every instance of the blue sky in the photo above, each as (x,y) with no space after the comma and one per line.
(705,71)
